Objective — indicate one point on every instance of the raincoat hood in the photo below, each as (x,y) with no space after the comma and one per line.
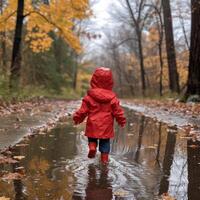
(101,85)
(102,78)
(101,95)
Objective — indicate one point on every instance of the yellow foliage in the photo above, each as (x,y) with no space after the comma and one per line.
(58,17)
(38,164)
(152,61)
(153,35)
(182,66)
(83,80)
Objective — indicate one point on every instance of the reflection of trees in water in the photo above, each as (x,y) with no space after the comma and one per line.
(193,150)
(140,134)
(18,185)
(43,179)
(159,143)
(168,160)
(44,182)
(140,141)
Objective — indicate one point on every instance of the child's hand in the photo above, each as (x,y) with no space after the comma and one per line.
(123,125)
(76,123)
(75,119)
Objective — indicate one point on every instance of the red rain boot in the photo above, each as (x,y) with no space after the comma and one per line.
(92,149)
(104,158)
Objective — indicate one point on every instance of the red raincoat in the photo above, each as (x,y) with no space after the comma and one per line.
(101,106)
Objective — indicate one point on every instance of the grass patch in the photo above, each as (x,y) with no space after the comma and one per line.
(31,92)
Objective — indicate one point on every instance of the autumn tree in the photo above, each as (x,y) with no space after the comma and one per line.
(193,85)
(171,55)
(42,18)
(158,36)
(138,22)
(135,15)
(3,41)
(16,55)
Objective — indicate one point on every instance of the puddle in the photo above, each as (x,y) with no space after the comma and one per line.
(14,127)
(148,158)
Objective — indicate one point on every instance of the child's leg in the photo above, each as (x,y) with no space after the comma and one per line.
(104,148)
(92,143)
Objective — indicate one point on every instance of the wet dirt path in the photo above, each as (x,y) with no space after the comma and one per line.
(148,159)
(32,119)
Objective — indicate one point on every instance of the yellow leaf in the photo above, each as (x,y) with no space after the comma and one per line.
(19,157)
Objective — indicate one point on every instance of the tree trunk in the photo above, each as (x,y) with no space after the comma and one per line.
(159,142)
(193,169)
(142,71)
(193,85)
(3,42)
(171,55)
(161,67)
(140,136)
(167,162)
(3,52)
(16,54)
(138,29)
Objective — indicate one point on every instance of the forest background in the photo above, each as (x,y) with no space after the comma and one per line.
(50,48)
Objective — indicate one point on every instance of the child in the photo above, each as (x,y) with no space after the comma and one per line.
(100,106)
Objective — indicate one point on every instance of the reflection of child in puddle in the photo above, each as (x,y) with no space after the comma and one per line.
(98,188)
(101,106)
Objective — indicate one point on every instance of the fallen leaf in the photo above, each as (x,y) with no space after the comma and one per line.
(21,145)
(42,148)
(19,157)
(20,170)
(18,119)
(34,111)
(42,133)
(151,147)
(166,196)
(194,146)
(185,137)
(120,193)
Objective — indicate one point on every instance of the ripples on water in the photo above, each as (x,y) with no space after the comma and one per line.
(147,159)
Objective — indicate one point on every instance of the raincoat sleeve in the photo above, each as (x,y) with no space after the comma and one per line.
(82,113)
(118,113)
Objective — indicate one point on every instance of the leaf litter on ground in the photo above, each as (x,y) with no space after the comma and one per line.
(4,198)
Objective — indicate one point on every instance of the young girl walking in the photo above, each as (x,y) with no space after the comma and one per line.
(100,106)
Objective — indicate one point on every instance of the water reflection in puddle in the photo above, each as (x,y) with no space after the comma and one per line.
(148,159)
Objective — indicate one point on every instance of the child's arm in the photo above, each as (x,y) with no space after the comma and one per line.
(82,113)
(118,112)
